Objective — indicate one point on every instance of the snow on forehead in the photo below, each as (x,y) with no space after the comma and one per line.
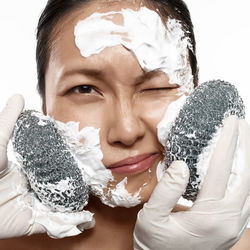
(156,46)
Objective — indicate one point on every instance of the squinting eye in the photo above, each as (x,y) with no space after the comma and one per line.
(84,89)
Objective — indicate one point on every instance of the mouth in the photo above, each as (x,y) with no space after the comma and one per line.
(134,165)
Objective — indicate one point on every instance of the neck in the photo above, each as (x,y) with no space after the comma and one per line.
(114,226)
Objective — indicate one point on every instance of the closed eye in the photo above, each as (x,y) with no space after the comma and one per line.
(158,89)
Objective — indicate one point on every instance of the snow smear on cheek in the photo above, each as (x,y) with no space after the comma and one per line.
(144,34)
(89,156)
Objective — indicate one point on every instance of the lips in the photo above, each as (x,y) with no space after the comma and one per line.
(134,165)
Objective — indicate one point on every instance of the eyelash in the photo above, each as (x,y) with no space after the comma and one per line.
(90,88)
(157,89)
(78,89)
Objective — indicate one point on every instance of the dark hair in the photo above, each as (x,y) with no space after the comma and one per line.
(55,10)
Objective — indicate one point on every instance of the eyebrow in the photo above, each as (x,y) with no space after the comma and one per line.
(146,76)
(100,74)
(97,73)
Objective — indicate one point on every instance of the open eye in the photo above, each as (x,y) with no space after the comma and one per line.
(84,89)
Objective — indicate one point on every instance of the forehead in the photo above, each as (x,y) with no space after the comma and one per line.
(91,7)
(62,40)
(140,29)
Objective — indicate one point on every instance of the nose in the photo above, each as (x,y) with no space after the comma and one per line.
(126,126)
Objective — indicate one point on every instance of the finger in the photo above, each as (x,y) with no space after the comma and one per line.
(8,118)
(220,165)
(239,185)
(168,190)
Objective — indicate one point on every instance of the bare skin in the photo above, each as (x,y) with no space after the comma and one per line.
(115,102)
(109,91)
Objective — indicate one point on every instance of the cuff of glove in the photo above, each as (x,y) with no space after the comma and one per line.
(36,228)
(59,224)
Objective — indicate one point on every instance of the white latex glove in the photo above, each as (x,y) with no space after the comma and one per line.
(20,212)
(221,212)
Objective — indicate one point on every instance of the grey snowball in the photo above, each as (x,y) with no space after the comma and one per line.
(50,167)
(202,114)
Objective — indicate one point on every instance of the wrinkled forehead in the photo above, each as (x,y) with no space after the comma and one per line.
(109,5)
(98,6)
(157,45)
(133,4)
(63,32)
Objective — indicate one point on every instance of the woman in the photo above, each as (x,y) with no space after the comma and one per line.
(107,83)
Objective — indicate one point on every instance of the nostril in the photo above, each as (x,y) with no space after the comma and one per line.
(127,139)
(126,133)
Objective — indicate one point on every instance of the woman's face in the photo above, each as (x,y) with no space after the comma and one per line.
(110,91)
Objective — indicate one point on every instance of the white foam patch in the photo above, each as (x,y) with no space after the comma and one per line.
(121,197)
(160,170)
(89,157)
(57,224)
(163,129)
(164,126)
(146,36)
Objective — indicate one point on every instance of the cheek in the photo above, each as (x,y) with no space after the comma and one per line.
(153,112)
(64,110)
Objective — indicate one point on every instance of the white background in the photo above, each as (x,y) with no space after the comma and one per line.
(222,29)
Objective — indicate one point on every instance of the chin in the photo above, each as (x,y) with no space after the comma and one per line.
(139,188)
(145,187)
(144,183)
(145,194)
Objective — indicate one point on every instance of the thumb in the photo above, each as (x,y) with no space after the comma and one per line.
(168,191)
(8,118)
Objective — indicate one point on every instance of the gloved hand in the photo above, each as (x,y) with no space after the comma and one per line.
(221,212)
(20,212)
